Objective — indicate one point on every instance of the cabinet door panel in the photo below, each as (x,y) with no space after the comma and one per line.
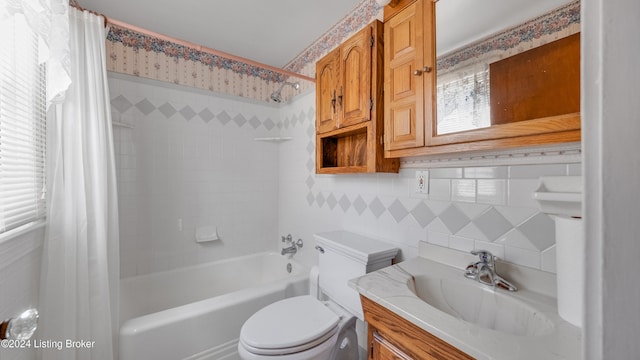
(404,122)
(327,70)
(354,93)
(404,89)
(383,350)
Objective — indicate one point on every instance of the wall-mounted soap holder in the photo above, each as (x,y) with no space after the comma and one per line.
(207,233)
(560,195)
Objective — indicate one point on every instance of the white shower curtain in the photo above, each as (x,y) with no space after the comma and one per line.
(80,269)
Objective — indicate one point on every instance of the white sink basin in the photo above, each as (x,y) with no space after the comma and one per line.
(486,323)
(482,305)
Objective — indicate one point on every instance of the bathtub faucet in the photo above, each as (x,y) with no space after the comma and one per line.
(293,248)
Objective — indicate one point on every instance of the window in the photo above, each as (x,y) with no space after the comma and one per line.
(22,125)
(463,100)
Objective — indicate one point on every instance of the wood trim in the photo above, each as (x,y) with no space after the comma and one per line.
(521,128)
(408,337)
(342,170)
(395,7)
(393,3)
(488,145)
(377,160)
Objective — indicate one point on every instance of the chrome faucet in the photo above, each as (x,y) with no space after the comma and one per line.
(293,248)
(484,271)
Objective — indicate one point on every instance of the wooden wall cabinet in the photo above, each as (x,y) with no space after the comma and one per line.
(409,84)
(349,125)
(410,94)
(392,337)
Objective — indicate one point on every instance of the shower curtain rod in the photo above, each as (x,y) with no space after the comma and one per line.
(188,44)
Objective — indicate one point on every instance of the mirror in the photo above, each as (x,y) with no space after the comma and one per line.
(471,35)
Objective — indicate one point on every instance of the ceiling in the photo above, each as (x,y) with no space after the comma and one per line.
(271,32)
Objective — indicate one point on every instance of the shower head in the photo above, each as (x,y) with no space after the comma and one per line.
(276,96)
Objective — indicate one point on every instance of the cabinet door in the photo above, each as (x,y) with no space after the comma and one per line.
(403,81)
(381,349)
(354,90)
(327,79)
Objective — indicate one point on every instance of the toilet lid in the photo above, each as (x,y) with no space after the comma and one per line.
(289,325)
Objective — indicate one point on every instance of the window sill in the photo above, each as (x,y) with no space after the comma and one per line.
(21,230)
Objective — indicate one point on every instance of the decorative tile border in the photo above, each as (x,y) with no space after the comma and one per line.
(561,22)
(518,234)
(123,107)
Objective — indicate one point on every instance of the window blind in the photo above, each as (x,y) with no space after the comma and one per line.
(22,125)
(463,101)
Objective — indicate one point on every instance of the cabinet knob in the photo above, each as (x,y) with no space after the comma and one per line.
(425,69)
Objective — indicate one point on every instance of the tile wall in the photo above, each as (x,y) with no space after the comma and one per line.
(467,208)
(190,157)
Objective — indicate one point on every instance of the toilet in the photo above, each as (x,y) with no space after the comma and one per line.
(308,328)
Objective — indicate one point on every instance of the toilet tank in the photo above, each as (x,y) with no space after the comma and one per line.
(346,256)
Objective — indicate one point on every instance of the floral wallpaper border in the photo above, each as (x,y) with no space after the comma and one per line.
(545,27)
(133,53)
(145,42)
(362,15)
(142,55)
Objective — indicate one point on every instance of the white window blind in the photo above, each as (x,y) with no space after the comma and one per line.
(463,101)
(22,125)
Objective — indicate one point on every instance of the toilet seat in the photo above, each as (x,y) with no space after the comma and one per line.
(289,326)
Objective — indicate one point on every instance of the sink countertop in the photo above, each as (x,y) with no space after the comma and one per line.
(392,287)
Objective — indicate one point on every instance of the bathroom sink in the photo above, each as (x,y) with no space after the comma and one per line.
(481,305)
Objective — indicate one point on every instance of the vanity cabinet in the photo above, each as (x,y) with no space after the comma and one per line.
(349,125)
(392,337)
(528,91)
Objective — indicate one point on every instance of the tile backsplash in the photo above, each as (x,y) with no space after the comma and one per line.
(467,207)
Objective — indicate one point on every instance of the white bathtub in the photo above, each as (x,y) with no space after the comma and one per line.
(197,312)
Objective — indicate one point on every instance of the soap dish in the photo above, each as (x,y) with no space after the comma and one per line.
(560,195)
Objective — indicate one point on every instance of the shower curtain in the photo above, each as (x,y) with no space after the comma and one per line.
(80,269)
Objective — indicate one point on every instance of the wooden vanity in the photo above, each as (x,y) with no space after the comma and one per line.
(392,337)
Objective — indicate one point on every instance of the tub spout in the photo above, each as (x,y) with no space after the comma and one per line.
(289,250)
(293,248)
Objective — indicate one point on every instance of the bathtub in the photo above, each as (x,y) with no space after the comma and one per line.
(197,312)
